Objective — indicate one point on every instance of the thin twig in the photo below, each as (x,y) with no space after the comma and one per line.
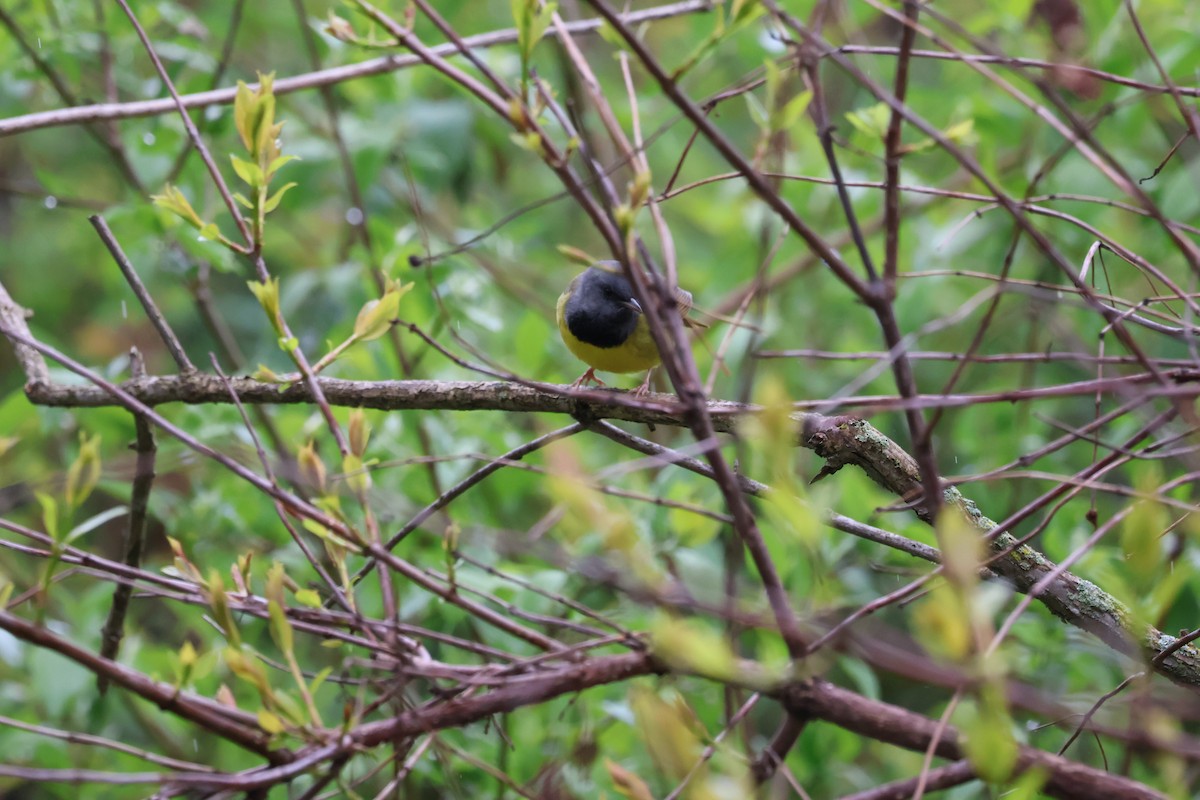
(143,295)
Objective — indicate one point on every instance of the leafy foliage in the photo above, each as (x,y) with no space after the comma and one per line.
(426,236)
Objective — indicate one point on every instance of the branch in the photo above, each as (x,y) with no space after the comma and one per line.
(840,440)
(888,723)
(324,77)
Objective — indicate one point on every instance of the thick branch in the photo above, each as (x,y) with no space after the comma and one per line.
(840,440)
(888,723)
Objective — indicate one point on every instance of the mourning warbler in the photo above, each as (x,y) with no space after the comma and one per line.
(602,323)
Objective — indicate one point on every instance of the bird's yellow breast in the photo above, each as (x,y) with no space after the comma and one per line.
(637,353)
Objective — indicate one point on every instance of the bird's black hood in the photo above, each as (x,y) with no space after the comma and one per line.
(601,309)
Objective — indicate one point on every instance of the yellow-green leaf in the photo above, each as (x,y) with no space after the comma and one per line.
(245,110)
(84,471)
(962,132)
(319,679)
(273,201)
(375,317)
(248,171)
(281,629)
(278,162)
(941,623)
(267,293)
(267,375)
(269,722)
(308,597)
(987,735)
(689,646)
(785,118)
(962,547)
(49,514)
(872,120)
(174,201)
(219,603)
(248,670)
(743,12)
(323,533)
(360,432)
(668,735)
(357,477)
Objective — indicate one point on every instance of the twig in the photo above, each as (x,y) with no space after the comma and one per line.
(135,533)
(772,756)
(112,145)
(139,289)
(951,775)
(190,126)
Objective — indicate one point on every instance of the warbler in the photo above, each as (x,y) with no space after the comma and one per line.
(602,323)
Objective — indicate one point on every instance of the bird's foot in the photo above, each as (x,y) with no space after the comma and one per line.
(642,390)
(586,378)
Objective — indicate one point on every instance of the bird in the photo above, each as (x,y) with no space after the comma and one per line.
(602,323)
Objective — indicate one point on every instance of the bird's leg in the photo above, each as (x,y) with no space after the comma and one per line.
(645,387)
(585,378)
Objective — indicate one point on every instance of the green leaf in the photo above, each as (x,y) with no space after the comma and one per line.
(247,670)
(174,201)
(273,201)
(49,514)
(269,722)
(609,34)
(84,471)
(275,164)
(532,17)
(541,21)
(322,532)
(219,603)
(281,628)
(785,118)
(872,120)
(267,294)
(1028,785)
(669,731)
(245,113)
(706,46)
(987,735)
(376,316)
(1140,532)
(93,522)
(308,597)
(743,12)
(248,171)
(319,679)
(356,474)
(962,548)
(941,623)
(688,645)
(962,132)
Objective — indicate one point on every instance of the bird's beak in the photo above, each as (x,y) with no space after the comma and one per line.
(634,304)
